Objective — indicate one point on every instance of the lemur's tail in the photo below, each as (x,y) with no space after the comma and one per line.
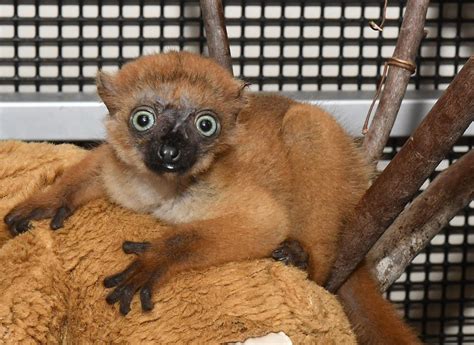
(374,319)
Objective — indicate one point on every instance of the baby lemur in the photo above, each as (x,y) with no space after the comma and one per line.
(232,173)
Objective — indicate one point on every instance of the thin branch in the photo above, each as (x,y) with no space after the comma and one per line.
(216,32)
(430,212)
(402,178)
(410,36)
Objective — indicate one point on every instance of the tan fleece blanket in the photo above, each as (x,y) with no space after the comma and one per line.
(51,282)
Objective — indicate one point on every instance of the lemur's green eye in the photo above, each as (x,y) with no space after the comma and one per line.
(143,120)
(207,124)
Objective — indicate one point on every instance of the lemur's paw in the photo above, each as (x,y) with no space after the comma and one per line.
(20,217)
(156,262)
(291,253)
(140,275)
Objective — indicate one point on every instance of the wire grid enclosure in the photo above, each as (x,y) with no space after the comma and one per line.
(277,45)
(57,46)
(436,292)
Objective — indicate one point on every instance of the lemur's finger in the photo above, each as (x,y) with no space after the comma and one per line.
(23,225)
(126,299)
(61,215)
(20,226)
(115,295)
(10,218)
(20,215)
(116,279)
(130,247)
(145,298)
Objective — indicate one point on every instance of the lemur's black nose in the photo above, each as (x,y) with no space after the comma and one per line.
(168,153)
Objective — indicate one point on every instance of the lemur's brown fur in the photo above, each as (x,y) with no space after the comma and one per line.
(277,170)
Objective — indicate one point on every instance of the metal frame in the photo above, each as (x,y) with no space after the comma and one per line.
(64,117)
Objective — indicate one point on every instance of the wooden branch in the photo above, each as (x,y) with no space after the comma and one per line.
(402,178)
(216,33)
(414,228)
(411,34)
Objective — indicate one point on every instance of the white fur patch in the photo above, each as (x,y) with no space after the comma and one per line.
(183,209)
(156,195)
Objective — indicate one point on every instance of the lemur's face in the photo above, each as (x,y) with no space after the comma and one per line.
(173,135)
(171,113)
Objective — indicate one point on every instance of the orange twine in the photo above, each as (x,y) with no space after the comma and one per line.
(393,61)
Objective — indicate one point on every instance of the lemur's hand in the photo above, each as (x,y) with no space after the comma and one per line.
(155,263)
(42,205)
(137,276)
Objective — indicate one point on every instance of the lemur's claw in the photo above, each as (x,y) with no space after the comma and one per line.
(61,215)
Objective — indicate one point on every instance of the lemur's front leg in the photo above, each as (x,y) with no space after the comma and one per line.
(77,185)
(192,246)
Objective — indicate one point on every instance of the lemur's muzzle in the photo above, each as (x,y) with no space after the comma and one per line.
(168,153)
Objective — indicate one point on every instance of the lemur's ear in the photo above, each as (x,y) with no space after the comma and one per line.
(242,95)
(244,86)
(106,90)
